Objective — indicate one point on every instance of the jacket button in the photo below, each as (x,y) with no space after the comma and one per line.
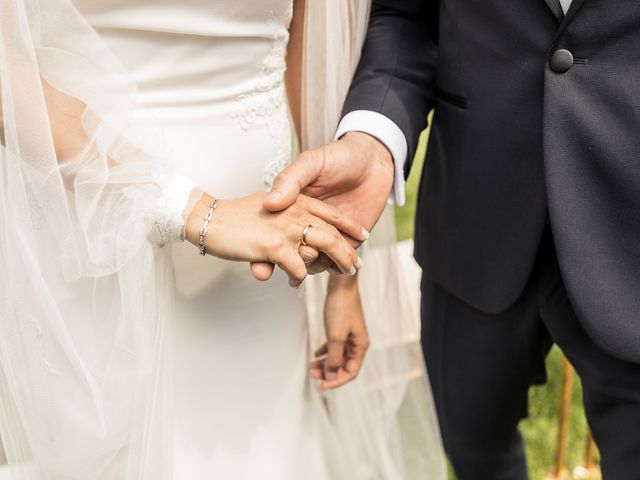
(561,61)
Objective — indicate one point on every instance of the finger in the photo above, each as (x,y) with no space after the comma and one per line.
(321,351)
(318,365)
(358,346)
(353,366)
(287,186)
(316,373)
(292,264)
(322,264)
(316,368)
(334,269)
(262,271)
(335,357)
(342,378)
(335,246)
(309,255)
(355,359)
(335,217)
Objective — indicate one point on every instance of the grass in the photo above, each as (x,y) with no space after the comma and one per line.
(541,428)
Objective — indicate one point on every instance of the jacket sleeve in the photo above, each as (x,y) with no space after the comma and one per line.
(396,75)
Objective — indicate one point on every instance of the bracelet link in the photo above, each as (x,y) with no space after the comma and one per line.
(205,226)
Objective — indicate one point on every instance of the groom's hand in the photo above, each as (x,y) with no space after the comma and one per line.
(354,174)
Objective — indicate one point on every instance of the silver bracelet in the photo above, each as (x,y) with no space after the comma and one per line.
(205,225)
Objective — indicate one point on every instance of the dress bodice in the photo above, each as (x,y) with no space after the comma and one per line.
(214,66)
(206,50)
(198,17)
(210,86)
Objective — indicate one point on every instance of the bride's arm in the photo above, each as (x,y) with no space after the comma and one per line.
(239,230)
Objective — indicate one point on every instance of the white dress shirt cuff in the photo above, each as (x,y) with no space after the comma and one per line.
(386,131)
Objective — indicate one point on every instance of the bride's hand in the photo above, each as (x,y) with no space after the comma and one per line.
(242,230)
(339,360)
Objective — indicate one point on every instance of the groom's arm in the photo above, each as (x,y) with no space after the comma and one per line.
(393,89)
(391,94)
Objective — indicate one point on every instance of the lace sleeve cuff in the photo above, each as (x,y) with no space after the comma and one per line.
(179,194)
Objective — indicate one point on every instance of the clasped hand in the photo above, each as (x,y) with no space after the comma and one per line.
(243,230)
(353,177)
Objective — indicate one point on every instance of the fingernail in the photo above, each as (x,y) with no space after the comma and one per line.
(359,263)
(365,234)
(353,271)
(274,196)
(330,376)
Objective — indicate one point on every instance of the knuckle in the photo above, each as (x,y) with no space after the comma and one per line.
(279,181)
(305,157)
(283,176)
(334,214)
(303,201)
(274,244)
(334,231)
(294,211)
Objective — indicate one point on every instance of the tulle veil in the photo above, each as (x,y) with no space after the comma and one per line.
(387,415)
(85,296)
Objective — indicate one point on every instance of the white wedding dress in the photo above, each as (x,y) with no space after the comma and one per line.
(210,76)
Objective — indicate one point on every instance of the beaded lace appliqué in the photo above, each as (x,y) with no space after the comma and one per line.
(268,102)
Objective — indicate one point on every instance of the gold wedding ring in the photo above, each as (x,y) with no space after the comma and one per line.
(305,232)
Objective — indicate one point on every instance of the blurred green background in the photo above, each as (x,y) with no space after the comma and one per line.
(540,430)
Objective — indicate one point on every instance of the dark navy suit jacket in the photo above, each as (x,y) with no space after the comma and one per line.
(518,142)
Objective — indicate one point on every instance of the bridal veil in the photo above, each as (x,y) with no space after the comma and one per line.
(387,416)
(84,295)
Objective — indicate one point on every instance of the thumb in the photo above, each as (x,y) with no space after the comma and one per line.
(262,270)
(292,180)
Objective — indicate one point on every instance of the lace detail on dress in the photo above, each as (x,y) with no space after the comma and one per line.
(167,228)
(169,215)
(268,102)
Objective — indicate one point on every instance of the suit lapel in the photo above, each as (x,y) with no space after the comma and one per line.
(556,9)
(575,6)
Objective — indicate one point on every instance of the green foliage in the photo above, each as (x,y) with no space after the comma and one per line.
(405,215)
(540,430)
